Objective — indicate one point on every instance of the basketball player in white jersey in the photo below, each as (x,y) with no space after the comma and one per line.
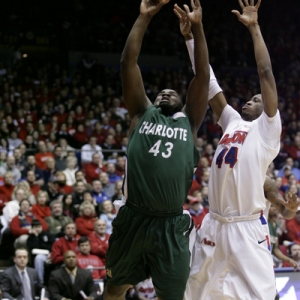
(231,257)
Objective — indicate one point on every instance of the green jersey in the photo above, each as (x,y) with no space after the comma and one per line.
(161,161)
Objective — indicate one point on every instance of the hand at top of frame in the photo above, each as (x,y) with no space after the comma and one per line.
(151,7)
(184,23)
(249,16)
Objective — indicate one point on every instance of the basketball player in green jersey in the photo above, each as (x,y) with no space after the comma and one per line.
(151,232)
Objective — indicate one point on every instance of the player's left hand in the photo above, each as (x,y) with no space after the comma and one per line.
(249,16)
(184,23)
(194,16)
(292,202)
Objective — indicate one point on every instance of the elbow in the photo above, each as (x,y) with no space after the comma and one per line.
(265,70)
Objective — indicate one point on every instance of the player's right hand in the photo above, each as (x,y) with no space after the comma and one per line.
(151,7)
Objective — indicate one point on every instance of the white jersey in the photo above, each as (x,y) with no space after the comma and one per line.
(240,163)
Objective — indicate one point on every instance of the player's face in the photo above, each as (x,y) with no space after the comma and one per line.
(169,101)
(253,108)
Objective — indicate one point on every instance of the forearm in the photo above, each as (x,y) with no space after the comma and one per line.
(262,56)
(278,254)
(134,41)
(200,52)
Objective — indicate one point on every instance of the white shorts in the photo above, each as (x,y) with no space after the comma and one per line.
(231,260)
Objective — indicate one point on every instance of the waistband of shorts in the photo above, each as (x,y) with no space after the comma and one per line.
(229,219)
(153,213)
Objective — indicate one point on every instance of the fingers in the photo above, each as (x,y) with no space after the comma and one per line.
(186,8)
(246,2)
(241,4)
(179,12)
(237,13)
(252,2)
(258,4)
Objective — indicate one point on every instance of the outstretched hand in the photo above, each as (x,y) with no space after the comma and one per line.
(184,23)
(151,7)
(249,16)
(292,202)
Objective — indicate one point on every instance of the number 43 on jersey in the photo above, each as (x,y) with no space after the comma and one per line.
(228,156)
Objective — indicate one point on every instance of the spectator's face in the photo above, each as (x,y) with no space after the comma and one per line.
(50,163)
(42,199)
(100,227)
(70,260)
(42,146)
(97,186)
(103,178)
(290,162)
(88,197)
(10,161)
(58,152)
(110,140)
(96,159)
(107,206)
(85,248)
(71,163)
(295,252)
(93,141)
(38,229)
(25,207)
(111,168)
(205,176)
(69,200)
(31,160)
(87,211)
(30,176)
(8,179)
(2,156)
(70,231)
(20,194)
(121,162)
(79,176)
(21,259)
(80,187)
(204,162)
(17,154)
(57,210)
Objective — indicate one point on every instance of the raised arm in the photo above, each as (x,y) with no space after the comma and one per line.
(216,97)
(197,95)
(267,82)
(132,82)
(287,208)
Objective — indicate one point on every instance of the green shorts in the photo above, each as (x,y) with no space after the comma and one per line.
(142,246)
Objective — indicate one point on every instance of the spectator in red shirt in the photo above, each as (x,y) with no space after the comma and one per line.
(62,186)
(293,228)
(99,240)
(41,209)
(42,156)
(7,188)
(65,243)
(61,114)
(30,178)
(94,168)
(86,260)
(20,225)
(85,223)
(80,137)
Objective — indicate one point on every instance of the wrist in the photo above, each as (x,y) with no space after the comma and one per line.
(188,36)
(253,27)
